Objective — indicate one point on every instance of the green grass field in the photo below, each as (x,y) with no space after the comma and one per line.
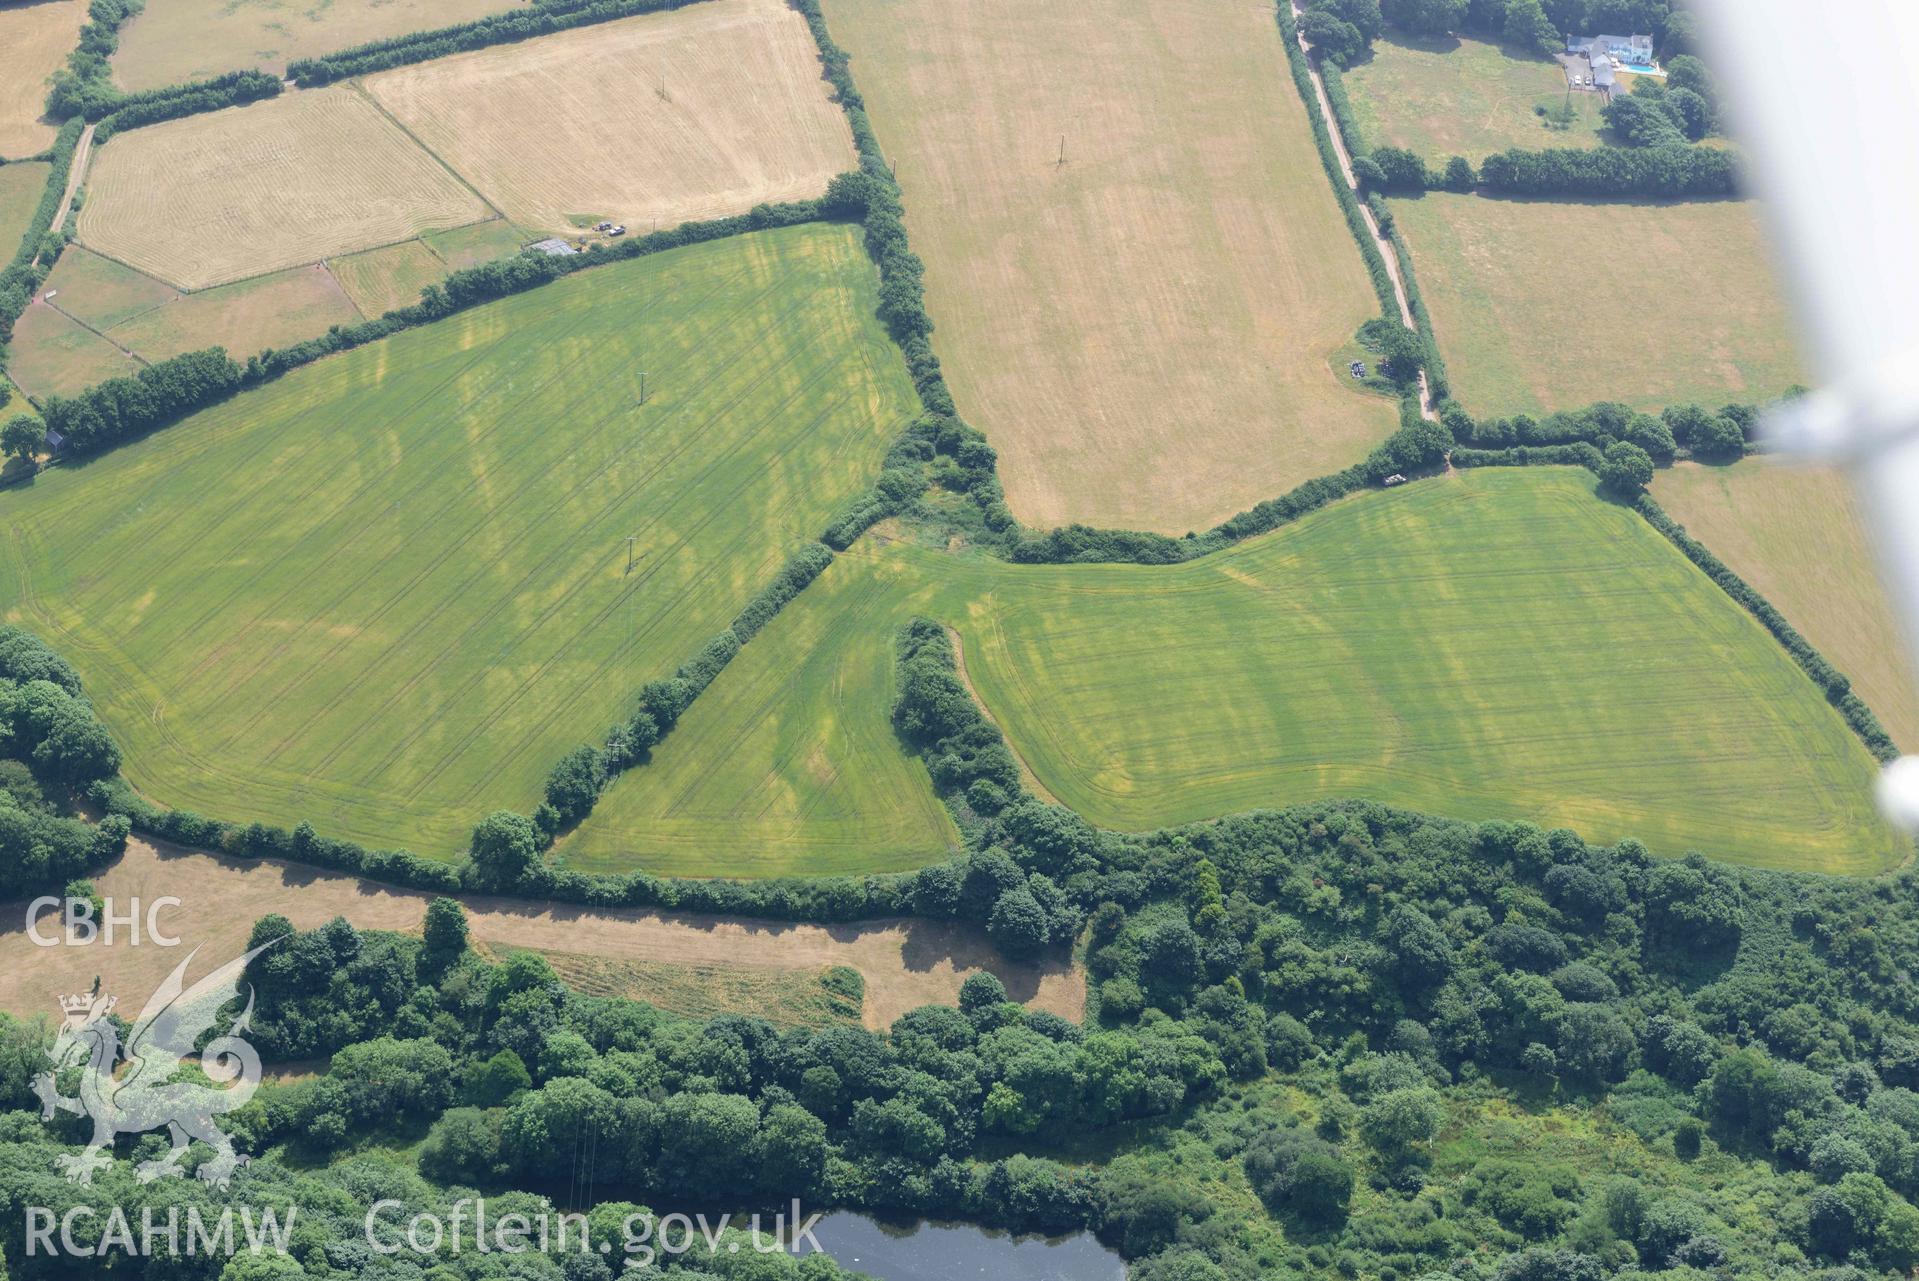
(1541,306)
(386,592)
(21,186)
(1451,97)
(1486,645)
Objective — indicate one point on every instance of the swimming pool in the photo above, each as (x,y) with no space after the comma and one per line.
(1639,70)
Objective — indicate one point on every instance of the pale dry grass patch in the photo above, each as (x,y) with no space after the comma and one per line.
(174,41)
(906,963)
(573,128)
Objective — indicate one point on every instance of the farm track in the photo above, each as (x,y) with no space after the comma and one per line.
(1386,248)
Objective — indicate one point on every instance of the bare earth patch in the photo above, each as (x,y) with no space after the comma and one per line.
(663,118)
(1142,331)
(906,963)
(35,40)
(232,194)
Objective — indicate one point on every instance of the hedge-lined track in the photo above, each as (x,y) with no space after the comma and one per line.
(410,596)
(230,194)
(1143,330)
(1543,305)
(570,129)
(1487,645)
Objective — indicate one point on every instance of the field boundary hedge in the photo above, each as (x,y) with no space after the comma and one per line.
(115,411)
(544,18)
(1329,161)
(23,273)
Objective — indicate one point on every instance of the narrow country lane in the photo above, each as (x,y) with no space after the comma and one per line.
(1386,249)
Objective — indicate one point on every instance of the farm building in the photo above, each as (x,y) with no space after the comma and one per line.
(554,247)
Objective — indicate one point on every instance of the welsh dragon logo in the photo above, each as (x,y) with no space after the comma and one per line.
(134,1088)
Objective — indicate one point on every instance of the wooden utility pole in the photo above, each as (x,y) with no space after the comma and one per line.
(629,554)
(1062,151)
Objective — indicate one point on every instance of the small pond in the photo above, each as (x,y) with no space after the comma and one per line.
(959,1251)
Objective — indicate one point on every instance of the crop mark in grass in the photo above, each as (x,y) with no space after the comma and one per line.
(796,434)
(579,583)
(488,518)
(1580,672)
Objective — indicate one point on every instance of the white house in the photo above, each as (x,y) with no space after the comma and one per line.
(1636,50)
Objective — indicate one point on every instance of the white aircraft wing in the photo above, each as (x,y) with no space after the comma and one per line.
(1824,100)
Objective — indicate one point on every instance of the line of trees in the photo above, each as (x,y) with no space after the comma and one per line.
(31,260)
(132,110)
(124,408)
(543,17)
(87,80)
(1395,972)
(52,748)
(1663,171)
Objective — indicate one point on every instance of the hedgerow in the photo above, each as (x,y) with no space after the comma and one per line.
(542,18)
(122,409)
(23,272)
(130,111)
(1329,160)
(1613,172)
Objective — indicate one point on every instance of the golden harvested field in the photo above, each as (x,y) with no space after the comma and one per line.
(1795,533)
(20,188)
(1544,306)
(35,40)
(173,41)
(573,126)
(219,197)
(52,354)
(906,963)
(381,279)
(1143,332)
